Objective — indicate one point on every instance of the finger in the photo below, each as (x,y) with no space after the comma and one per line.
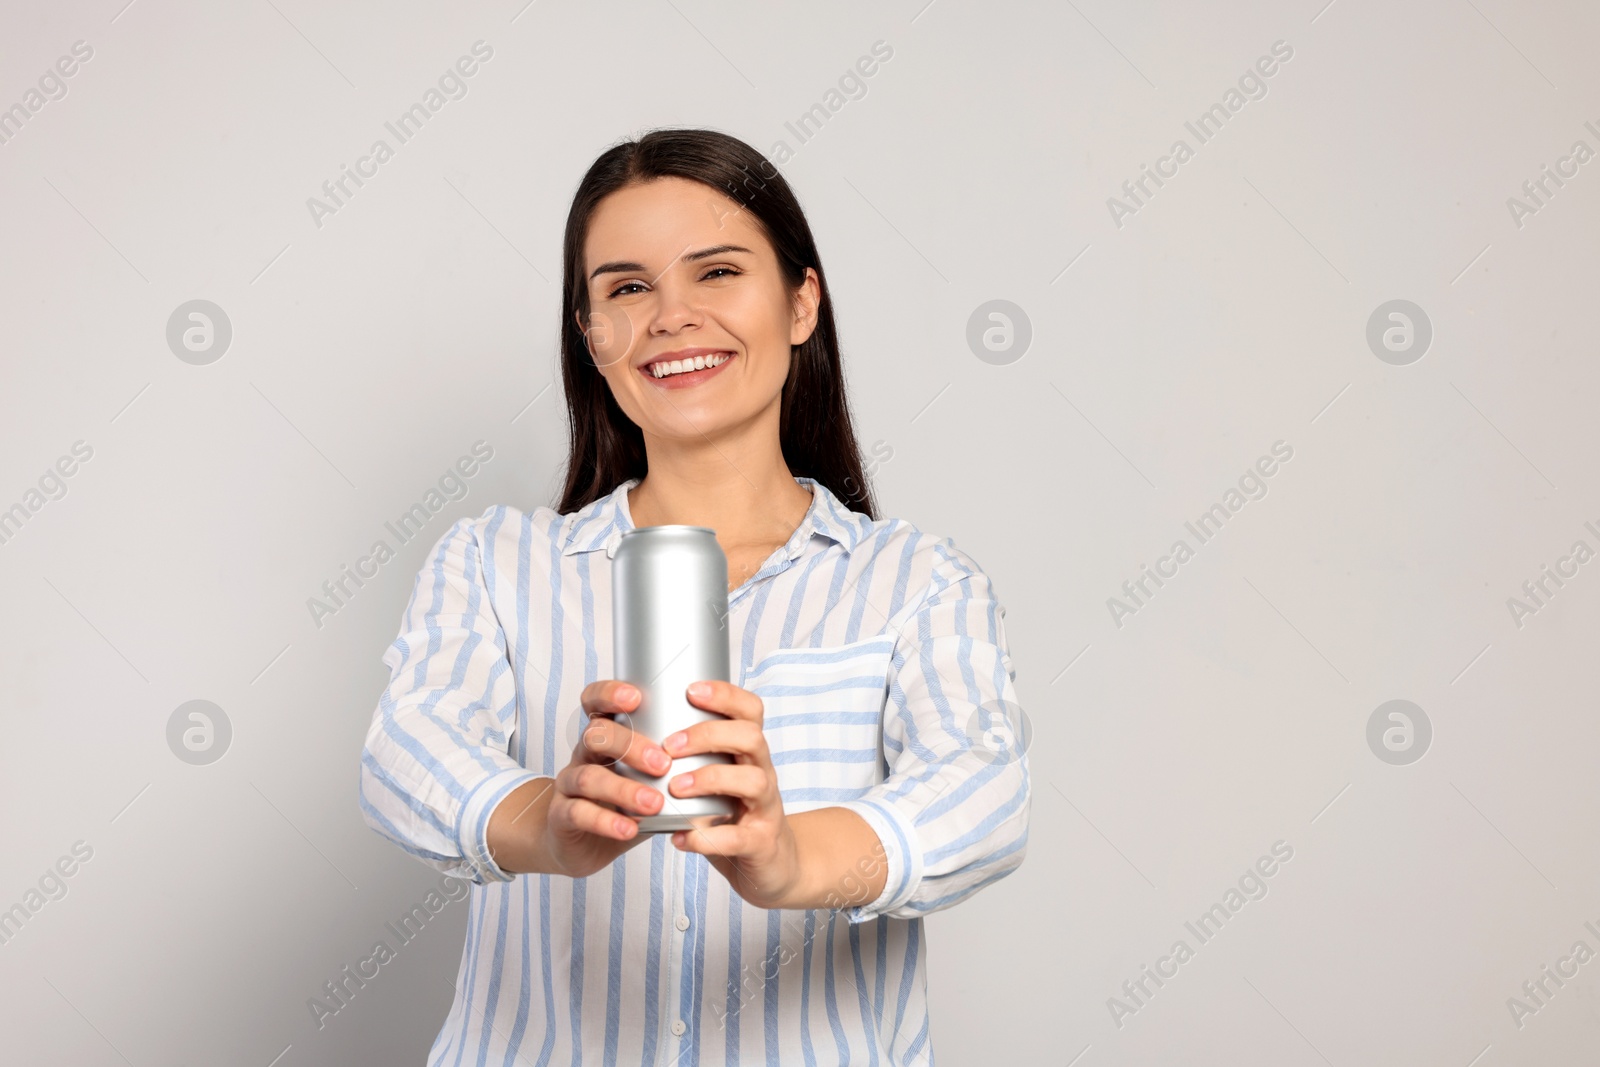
(609,696)
(608,741)
(585,816)
(602,785)
(727,698)
(736,737)
(751,784)
(729,839)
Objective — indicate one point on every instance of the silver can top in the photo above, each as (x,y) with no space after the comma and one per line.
(668,528)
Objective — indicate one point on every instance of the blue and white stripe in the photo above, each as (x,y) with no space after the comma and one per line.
(880,656)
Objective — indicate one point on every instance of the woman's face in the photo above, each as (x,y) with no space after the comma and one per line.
(678,272)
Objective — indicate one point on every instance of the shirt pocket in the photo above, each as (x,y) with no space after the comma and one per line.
(823,719)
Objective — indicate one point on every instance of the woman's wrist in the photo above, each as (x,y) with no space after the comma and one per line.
(839,861)
(516,830)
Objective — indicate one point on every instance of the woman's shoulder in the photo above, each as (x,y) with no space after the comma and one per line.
(540,530)
(931,560)
(495,519)
(535,524)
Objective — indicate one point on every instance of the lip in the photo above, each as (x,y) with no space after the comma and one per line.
(692,378)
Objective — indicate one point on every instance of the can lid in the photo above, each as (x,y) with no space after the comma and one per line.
(667,528)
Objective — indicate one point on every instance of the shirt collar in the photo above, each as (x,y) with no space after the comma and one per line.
(602,523)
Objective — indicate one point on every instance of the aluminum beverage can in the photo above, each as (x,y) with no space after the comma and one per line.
(669,600)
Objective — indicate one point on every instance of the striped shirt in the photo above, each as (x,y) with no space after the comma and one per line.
(880,658)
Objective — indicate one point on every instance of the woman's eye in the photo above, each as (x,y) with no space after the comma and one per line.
(625,288)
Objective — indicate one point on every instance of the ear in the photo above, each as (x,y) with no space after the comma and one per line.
(806,300)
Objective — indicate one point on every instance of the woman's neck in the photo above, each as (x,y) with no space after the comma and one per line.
(749,505)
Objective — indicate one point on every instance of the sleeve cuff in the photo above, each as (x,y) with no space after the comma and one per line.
(472,825)
(902,855)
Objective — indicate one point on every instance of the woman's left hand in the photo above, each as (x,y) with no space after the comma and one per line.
(757,852)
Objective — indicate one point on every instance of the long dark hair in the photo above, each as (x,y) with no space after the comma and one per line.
(605,446)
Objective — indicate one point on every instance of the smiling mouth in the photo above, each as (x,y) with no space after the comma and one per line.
(682,368)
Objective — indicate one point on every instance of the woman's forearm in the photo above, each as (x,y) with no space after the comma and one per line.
(842,862)
(516,828)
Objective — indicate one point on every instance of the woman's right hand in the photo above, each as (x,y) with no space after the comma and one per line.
(591,818)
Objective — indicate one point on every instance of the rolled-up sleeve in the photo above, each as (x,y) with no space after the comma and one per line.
(436,759)
(952,813)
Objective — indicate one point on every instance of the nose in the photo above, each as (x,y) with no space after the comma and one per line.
(675,308)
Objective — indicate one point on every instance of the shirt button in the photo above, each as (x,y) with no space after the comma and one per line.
(681,922)
(678,1028)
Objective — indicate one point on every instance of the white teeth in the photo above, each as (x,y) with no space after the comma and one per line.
(680,366)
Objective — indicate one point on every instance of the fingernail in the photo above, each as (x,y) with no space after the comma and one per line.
(622,826)
(683,781)
(699,689)
(625,691)
(675,742)
(643,799)
(659,760)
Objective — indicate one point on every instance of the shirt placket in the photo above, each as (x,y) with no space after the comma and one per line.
(676,1027)
(680,961)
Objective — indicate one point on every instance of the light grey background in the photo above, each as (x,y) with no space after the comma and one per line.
(1168,354)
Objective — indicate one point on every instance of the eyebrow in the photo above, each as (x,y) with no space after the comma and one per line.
(624,267)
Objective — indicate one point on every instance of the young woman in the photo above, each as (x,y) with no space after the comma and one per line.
(704,387)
